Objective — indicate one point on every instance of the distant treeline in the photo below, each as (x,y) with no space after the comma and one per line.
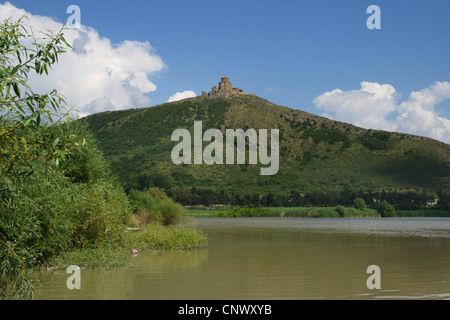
(402,201)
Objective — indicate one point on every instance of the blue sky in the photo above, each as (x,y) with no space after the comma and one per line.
(290,52)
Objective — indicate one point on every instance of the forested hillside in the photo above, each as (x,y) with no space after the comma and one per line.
(321,160)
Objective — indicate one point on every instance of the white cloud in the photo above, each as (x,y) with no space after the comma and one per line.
(418,114)
(370,106)
(271,89)
(96,75)
(366,107)
(182,95)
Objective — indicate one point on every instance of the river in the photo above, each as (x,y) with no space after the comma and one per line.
(281,258)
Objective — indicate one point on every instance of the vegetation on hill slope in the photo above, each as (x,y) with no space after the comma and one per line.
(317,155)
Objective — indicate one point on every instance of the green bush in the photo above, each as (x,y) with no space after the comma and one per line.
(50,208)
(98,257)
(377,140)
(156,236)
(85,163)
(385,209)
(171,212)
(155,206)
(341,211)
(305,213)
(244,212)
(360,204)
(45,215)
(100,214)
(145,206)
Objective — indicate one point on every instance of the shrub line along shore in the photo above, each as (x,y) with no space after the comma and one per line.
(309,212)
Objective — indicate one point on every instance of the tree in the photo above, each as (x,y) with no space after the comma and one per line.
(360,204)
(385,209)
(270,200)
(24,113)
(32,146)
(295,198)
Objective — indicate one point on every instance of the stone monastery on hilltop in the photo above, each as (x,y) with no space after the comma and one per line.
(225,90)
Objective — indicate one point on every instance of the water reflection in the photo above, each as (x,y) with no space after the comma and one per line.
(282,259)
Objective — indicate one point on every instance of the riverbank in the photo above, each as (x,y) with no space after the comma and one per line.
(149,238)
(306,212)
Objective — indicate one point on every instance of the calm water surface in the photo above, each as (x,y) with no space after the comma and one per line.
(281,258)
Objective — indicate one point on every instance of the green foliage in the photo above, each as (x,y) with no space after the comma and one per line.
(46,214)
(171,212)
(357,213)
(26,118)
(331,136)
(290,212)
(29,151)
(360,204)
(318,157)
(444,199)
(155,236)
(59,201)
(57,194)
(245,212)
(85,163)
(377,140)
(422,213)
(305,213)
(101,215)
(104,256)
(154,205)
(341,211)
(385,209)
(152,180)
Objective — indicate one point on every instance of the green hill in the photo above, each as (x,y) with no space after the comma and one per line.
(316,154)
